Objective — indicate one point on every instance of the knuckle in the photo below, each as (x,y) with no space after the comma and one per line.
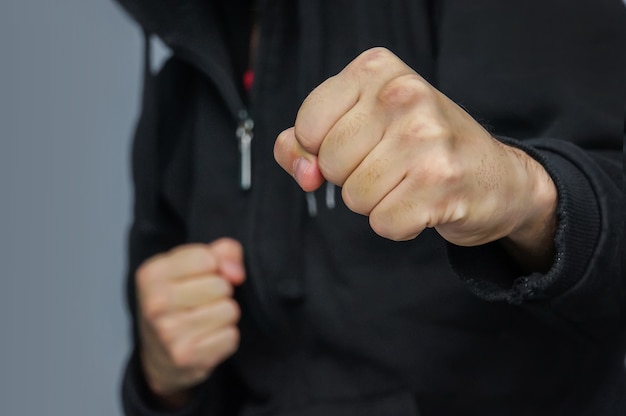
(366,185)
(396,223)
(232,337)
(227,345)
(345,131)
(330,171)
(232,246)
(351,198)
(405,90)
(426,131)
(306,138)
(373,60)
(225,247)
(380,223)
(232,310)
(155,304)
(281,147)
(282,138)
(222,288)
(181,355)
(166,331)
(449,173)
(440,171)
(203,256)
(436,131)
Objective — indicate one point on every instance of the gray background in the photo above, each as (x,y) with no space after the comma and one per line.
(69,96)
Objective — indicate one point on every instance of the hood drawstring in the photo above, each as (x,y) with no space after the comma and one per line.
(330,195)
(311,203)
(311,199)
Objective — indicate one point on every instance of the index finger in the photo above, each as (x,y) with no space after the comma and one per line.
(299,163)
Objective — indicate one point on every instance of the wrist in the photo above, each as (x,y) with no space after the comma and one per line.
(531,240)
(163,395)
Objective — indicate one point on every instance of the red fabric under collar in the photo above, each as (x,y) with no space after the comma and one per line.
(248,80)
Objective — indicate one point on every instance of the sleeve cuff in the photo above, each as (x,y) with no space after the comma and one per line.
(492,275)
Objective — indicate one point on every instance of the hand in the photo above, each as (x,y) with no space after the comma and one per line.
(410,158)
(187,316)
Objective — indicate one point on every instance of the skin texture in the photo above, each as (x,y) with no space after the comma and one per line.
(187,316)
(409,158)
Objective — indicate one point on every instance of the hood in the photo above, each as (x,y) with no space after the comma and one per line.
(190,28)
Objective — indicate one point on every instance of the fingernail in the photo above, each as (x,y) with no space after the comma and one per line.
(300,167)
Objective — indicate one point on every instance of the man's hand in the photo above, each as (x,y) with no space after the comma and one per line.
(187,316)
(410,158)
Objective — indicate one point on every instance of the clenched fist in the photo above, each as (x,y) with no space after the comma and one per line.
(410,158)
(187,316)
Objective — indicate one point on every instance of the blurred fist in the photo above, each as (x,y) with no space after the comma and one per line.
(187,315)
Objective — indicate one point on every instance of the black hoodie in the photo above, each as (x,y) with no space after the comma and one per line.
(336,320)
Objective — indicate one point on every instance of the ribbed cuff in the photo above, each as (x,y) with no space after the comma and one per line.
(492,275)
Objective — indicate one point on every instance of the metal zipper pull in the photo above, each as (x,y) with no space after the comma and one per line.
(244,136)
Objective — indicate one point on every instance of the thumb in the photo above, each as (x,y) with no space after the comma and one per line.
(229,254)
(296,161)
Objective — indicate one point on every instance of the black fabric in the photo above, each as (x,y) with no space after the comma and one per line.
(335,319)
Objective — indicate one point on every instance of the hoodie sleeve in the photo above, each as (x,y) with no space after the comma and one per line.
(553,79)
(585,285)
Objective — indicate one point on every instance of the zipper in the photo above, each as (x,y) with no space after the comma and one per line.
(245,133)
(223,82)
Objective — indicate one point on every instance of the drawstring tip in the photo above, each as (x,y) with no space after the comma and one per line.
(330,195)
(311,199)
(311,203)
